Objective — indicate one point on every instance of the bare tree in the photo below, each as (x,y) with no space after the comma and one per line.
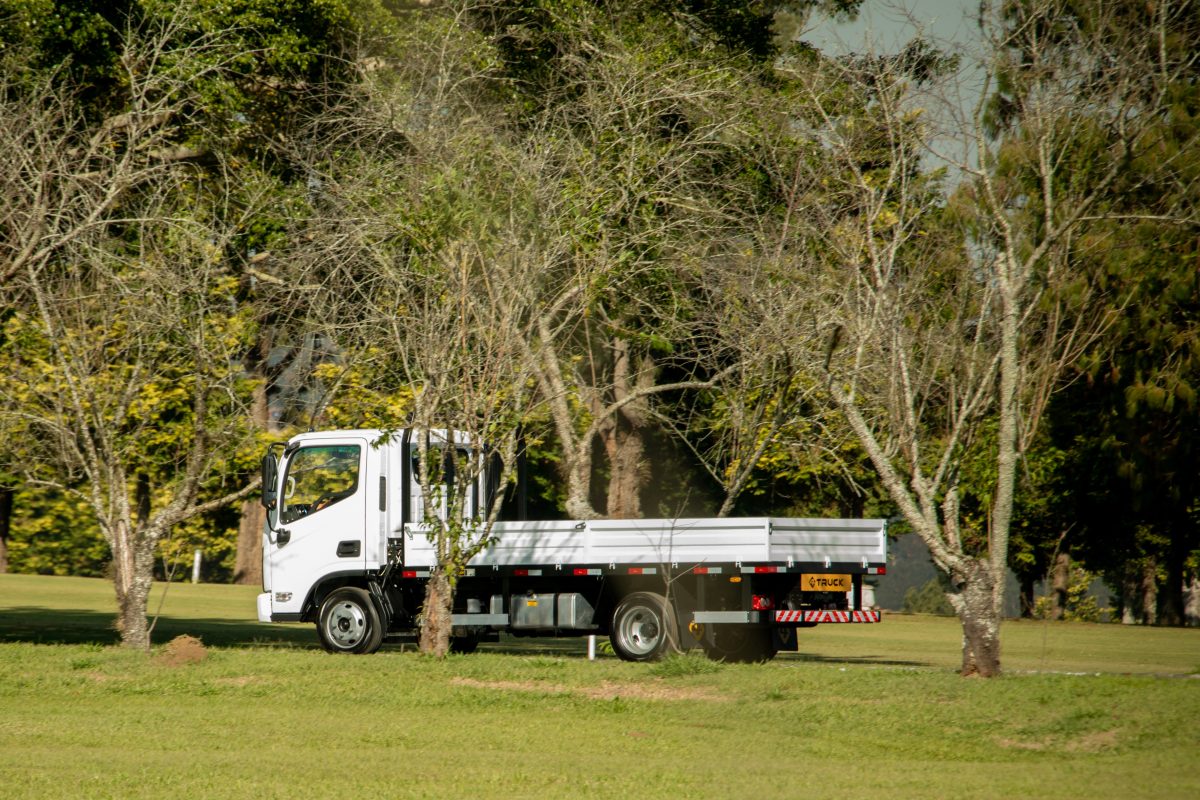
(414,261)
(114,255)
(943,329)
(633,196)
(460,345)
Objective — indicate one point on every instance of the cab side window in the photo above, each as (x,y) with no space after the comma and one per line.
(317,478)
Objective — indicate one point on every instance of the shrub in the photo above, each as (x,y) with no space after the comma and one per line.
(929,599)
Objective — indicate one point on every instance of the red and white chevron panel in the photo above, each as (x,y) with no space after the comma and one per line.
(827,616)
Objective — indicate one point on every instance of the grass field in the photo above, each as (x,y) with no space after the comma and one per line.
(1083,711)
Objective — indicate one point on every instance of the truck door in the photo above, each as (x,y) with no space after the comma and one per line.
(322,520)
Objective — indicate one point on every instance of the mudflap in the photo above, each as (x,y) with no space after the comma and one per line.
(382,603)
(785,639)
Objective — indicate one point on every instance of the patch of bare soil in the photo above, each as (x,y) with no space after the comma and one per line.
(240,681)
(1020,744)
(605,691)
(182,650)
(1088,743)
(1093,742)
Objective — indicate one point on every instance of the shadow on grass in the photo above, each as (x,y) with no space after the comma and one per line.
(529,646)
(856,660)
(38,625)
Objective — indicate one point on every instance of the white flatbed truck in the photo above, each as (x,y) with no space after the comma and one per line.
(345,547)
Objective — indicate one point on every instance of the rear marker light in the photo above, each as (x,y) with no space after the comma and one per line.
(760,603)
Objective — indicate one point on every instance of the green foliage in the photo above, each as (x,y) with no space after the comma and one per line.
(1080,606)
(1128,424)
(80,38)
(928,599)
(54,533)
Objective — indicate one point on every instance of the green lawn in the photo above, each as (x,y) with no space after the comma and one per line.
(864,711)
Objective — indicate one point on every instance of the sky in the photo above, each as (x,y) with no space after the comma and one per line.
(885,26)
(888,24)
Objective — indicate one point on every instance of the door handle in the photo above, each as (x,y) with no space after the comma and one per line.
(349,549)
(282,537)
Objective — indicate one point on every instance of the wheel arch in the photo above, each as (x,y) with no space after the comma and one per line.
(327,584)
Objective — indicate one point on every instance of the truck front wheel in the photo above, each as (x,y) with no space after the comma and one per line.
(349,623)
(643,628)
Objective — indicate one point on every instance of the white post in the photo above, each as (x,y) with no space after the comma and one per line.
(196,567)
(592,647)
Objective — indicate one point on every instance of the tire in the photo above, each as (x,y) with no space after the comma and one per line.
(740,644)
(464,645)
(643,628)
(349,622)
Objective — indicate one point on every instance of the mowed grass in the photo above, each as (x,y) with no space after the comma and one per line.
(862,711)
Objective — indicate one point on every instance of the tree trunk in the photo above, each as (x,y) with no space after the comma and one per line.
(975,603)
(578,474)
(1060,584)
(6,509)
(624,433)
(247,569)
(625,447)
(248,566)
(1149,592)
(1191,609)
(1172,599)
(134,576)
(1129,597)
(436,622)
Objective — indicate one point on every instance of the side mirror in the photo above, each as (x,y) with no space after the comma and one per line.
(270,481)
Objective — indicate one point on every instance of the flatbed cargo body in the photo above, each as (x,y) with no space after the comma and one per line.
(680,543)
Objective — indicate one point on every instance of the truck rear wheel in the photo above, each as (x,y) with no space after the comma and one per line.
(643,628)
(464,645)
(349,622)
(740,644)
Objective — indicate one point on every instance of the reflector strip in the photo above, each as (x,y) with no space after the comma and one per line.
(414,573)
(643,571)
(521,573)
(827,616)
(582,571)
(706,570)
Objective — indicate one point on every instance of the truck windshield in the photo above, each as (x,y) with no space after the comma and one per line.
(318,477)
